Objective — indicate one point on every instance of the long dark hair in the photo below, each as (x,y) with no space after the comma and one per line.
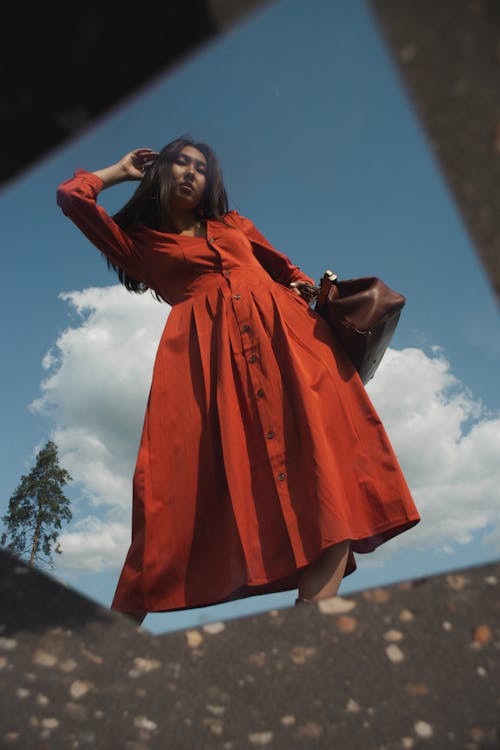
(149,203)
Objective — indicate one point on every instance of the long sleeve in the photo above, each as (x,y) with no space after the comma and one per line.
(278,265)
(77,197)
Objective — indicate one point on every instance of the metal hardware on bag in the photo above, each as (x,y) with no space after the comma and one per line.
(331,276)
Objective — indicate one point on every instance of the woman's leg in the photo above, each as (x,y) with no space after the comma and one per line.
(322,578)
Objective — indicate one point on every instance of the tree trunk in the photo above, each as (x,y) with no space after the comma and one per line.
(33,548)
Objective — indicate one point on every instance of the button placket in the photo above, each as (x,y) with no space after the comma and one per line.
(252,353)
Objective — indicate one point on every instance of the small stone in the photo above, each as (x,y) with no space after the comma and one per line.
(311,729)
(216,726)
(491,580)
(456,582)
(59,631)
(194,638)
(49,723)
(288,720)
(42,699)
(406,616)
(346,624)
(417,688)
(43,658)
(423,729)
(79,688)
(214,628)
(90,656)
(257,660)
(8,644)
(408,53)
(335,605)
(394,636)
(481,634)
(3,662)
(215,710)
(260,738)
(300,654)
(143,666)
(352,706)
(11,736)
(482,672)
(274,613)
(378,595)
(68,665)
(447,625)
(22,693)
(407,742)
(477,734)
(394,653)
(142,722)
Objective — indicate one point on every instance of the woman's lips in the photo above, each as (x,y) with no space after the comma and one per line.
(187,186)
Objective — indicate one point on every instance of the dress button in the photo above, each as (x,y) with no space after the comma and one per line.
(270,435)
(212,239)
(282,476)
(252,358)
(227,273)
(246,328)
(260,392)
(237,296)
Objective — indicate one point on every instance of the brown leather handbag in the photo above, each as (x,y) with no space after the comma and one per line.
(363,313)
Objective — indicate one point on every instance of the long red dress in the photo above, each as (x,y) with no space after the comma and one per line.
(260,446)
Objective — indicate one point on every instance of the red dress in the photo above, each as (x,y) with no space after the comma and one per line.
(260,446)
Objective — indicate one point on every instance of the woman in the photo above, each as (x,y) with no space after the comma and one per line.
(262,465)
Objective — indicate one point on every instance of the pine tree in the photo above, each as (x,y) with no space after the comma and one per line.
(37,509)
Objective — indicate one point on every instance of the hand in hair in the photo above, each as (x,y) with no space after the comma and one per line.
(134,163)
(132,166)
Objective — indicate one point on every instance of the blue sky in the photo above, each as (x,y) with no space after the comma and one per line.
(321,148)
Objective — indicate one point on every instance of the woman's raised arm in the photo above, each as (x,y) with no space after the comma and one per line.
(77,197)
(130,167)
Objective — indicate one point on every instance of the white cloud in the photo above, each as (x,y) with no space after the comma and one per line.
(95,393)
(448,446)
(94,545)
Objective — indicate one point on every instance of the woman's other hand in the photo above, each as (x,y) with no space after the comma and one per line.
(305,290)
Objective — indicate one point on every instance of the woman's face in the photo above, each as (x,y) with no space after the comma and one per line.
(189,172)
